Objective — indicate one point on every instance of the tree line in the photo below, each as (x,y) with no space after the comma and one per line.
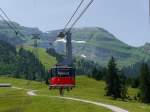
(20,63)
(117,83)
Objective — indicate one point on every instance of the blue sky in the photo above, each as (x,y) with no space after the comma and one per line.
(126,19)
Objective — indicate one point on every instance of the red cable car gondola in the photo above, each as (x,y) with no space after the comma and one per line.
(63,76)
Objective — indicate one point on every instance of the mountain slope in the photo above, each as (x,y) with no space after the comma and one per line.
(91,43)
(99,45)
(7,34)
(47,60)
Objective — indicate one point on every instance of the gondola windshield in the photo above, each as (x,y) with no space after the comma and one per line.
(62,72)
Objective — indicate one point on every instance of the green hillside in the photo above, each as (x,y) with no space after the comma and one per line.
(86,89)
(99,45)
(44,57)
(92,43)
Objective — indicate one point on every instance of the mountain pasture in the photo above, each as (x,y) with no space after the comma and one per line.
(86,88)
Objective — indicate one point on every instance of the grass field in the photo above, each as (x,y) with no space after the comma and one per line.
(12,100)
(17,101)
(86,89)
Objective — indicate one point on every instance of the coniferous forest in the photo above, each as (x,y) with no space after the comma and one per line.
(20,63)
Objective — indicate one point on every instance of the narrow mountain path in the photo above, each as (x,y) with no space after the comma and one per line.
(32,93)
(111,107)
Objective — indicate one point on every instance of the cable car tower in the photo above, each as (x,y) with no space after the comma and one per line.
(62,76)
(35,39)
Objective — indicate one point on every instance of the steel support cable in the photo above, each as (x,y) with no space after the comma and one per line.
(11,23)
(73,14)
(8,23)
(7,18)
(81,14)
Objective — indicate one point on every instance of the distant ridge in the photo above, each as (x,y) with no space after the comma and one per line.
(92,43)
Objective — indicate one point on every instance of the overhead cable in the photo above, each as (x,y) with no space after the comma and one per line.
(10,23)
(81,14)
(74,14)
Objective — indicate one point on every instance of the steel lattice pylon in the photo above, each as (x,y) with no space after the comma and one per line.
(35,44)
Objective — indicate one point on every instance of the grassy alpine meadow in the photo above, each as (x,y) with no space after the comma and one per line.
(86,88)
(47,104)
(47,60)
(13,100)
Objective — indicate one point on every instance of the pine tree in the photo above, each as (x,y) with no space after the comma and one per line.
(123,86)
(94,73)
(104,73)
(113,82)
(145,84)
(135,82)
